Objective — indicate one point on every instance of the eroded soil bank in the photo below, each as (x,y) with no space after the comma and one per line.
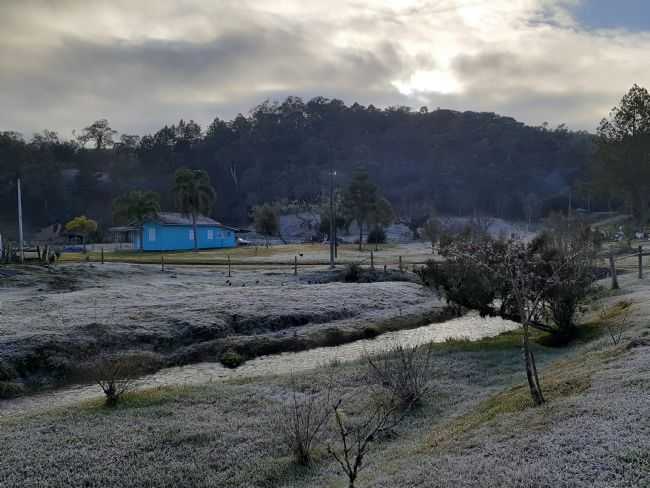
(54,320)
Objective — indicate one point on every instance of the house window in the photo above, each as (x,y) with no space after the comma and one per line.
(152,234)
(191,234)
(210,234)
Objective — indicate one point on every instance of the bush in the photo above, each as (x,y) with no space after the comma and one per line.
(334,337)
(232,359)
(116,375)
(371,332)
(377,236)
(300,420)
(7,372)
(404,371)
(352,273)
(10,390)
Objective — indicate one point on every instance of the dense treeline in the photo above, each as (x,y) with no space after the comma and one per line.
(455,162)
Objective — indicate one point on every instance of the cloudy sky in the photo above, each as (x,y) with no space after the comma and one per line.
(145,63)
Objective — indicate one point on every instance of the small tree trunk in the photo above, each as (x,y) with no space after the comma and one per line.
(196,236)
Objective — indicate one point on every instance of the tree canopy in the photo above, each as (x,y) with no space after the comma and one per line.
(622,166)
(194,195)
(453,161)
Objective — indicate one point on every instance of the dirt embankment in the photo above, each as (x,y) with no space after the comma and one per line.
(54,321)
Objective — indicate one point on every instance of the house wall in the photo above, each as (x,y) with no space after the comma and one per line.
(159,237)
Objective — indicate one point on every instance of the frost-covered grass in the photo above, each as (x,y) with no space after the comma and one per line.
(475,429)
(55,319)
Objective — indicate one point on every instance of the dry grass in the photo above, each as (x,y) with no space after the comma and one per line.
(562,378)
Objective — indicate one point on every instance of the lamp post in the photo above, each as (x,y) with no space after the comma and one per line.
(20,223)
(332,221)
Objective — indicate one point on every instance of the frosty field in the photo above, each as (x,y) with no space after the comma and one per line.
(476,428)
(51,320)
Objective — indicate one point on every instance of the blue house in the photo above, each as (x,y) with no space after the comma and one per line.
(171,231)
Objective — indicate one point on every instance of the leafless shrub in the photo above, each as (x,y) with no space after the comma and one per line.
(117,375)
(356,436)
(404,371)
(616,321)
(301,419)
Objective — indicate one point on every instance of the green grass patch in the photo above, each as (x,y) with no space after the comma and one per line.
(563,378)
(504,341)
(140,399)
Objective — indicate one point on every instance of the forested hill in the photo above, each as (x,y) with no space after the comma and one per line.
(457,162)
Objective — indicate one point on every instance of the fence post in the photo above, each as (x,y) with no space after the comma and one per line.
(102,255)
(229,275)
(372,260)
(612,270)
(162,263)
(640,262)
(295,265)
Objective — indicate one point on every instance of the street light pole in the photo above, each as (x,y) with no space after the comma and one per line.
(20,224)
(332,220)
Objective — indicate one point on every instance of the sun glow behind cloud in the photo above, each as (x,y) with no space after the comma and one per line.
(431,81)
(146,63)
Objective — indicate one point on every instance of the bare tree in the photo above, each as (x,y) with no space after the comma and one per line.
(355,438)
(527,297)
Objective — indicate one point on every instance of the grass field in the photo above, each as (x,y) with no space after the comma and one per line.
(475,429)
(278,255)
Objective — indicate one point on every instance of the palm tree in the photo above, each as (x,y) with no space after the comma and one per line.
(194,195)
(135,207)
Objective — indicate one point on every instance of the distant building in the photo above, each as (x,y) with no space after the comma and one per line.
(171,231)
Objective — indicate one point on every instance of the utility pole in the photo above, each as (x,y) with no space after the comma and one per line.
(332,220)
(20,224)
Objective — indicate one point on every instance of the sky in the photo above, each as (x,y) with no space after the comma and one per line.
(146,63)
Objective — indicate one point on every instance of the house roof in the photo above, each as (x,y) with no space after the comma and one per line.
(177,218)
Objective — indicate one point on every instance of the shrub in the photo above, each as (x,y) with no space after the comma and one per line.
(116,375)
(300,420)
(370,332)
(377,235)
(352,273)
(10,390)
(334,337)
(232,359)
(615,320)
(7,372)
(404,371)
(569,260)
